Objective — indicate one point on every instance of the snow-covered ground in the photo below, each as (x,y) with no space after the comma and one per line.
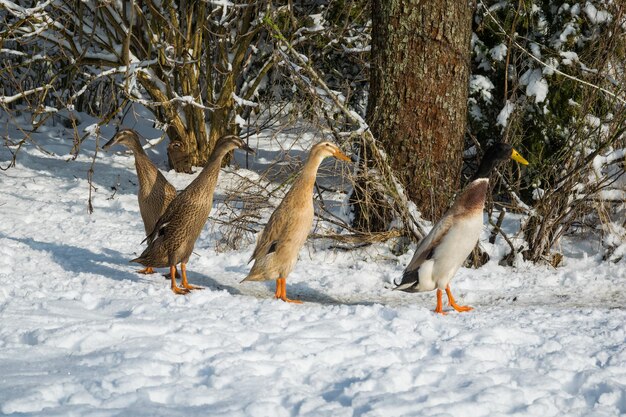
(82,334)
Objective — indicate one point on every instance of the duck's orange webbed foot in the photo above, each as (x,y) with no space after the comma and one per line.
(453,304)
(146,271)
(281,291)
(186,285)
(439,308)
(180,291)
(191,287)
(175,288)
(278,291)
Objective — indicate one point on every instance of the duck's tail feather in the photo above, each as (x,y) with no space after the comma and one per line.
(142,259)
(409,282)
(254,276)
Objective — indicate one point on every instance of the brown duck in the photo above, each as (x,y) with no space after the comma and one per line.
(155,193)
(175,233)
(286,231)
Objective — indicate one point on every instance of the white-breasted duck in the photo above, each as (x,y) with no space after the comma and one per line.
(442,252)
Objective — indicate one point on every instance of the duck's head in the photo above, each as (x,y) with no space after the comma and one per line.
(125,137)
(326,149)
(230,142)
(497,153)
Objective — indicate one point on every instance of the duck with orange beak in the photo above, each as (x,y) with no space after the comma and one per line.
(286,231)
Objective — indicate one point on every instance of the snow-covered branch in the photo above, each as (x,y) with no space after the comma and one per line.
(15,97)
(546,64)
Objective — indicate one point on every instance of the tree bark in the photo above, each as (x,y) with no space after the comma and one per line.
(418,94)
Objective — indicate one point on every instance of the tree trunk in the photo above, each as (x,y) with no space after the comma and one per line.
(418,94)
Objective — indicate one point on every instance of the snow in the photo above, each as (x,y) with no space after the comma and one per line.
(569,57)
(498,52)
(91,129)
(474,110)
(243,102)
(535,49)
(538,193)
(503,116)
(360,49)
(600,161)
(83,334)
(317,22)
(483,85)
(569,30)
(535,84)
(573,103)
(240,121)
(551,65)
(596,16)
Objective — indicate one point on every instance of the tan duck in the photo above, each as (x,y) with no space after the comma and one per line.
(175,233)
(286,231)
(442,252)
(155,193)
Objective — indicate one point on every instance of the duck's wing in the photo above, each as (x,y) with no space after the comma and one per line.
(424,251)
(170,213)
(272,234)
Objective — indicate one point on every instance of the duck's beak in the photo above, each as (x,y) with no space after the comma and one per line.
(340,155)
(110,143)
(519,158)
(248,149)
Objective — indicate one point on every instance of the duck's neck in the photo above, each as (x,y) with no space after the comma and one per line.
(309,172)
(146,171)
(484,169)
(140,155)
(211,169)
(473,197)
(135,146)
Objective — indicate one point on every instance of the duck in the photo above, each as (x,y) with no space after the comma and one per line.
(441,253)
(277,248)
(172,240)
(155,192)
